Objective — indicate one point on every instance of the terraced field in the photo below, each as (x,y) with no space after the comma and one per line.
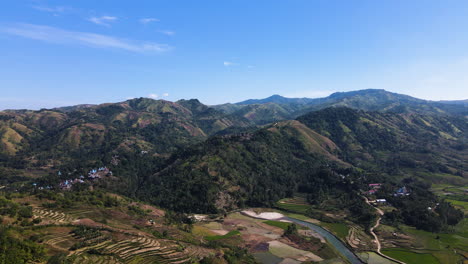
(95,259)
(56,240)
(53,216)
(111,245)
(139,250)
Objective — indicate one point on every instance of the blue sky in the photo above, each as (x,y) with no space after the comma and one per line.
(56,53)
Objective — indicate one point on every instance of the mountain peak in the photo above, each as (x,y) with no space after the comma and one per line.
(276,98)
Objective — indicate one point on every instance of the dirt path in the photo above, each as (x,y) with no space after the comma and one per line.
(377,223)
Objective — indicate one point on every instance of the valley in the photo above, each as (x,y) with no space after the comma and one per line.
(153,181)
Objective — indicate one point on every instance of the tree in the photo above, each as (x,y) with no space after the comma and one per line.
(290,230)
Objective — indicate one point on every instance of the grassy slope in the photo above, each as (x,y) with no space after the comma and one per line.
(410,257)
(152,125)
(393,142)
(218,237)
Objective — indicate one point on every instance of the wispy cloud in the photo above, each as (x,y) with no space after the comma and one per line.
(153,96)
(165,94)
(167,32)
(229,63)
(148,20)
(55,9)
(103,20)
(61,36)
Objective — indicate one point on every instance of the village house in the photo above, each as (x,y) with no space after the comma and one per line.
(67,184)
(403,191)
(373,188)
(381,201)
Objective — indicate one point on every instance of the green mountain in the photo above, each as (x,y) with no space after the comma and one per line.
(277,108)
(278,99)
(48,137)
(187,157)
(383,101)
(262,114)
(330,154)
(227,172)
(259,168)
(376,140)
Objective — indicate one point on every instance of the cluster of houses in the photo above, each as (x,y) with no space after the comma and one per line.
(97,173)
(41,187)
(402,192)
(373,188)
(67,184)
(92,174)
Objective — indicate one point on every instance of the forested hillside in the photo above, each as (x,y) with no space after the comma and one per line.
(256,169)
(389,142)
(276,107)
(54,137)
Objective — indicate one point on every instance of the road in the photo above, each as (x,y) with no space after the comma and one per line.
(376,239)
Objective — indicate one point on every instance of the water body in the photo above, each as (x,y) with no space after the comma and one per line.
(344,251)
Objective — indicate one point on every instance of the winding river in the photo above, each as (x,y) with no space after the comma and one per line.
(344,251)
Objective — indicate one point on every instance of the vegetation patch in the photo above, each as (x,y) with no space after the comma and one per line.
(228,235)
(410,257)
(460,204)
(374,258)
(287,204)
(282,225)
(339,229)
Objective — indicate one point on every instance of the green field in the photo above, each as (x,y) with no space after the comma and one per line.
(282,225)
(455,190)
(427,247)
(440,178)
(459,204)
(299,216)
(444,247)
(298,208)
(410,257)
(339,229)
(228,235)
(372,257)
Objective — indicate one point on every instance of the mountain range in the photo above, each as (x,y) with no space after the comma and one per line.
(218,158)
(276,107)
(162,127)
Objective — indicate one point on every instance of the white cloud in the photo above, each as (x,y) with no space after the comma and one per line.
(167,32)
(165,95)
(250,66)
(153,96)
(229,63)
(103,20)
(61,36)
(148,20)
